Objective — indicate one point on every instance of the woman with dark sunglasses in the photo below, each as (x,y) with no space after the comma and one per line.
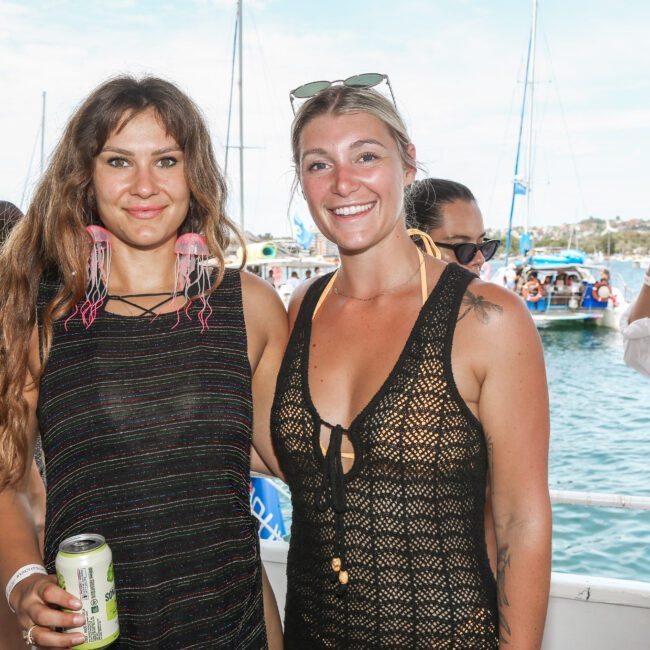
(448,212)
(405,381)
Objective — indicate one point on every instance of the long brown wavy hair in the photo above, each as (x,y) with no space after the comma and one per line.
(51,239)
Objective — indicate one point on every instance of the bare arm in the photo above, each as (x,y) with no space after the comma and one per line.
(266,328)
(271,615)
(33,597)
(36,494)
(641,306)
(513,408)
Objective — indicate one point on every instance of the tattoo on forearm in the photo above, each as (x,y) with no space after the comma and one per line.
(480,306)
(490,458)
(503,563)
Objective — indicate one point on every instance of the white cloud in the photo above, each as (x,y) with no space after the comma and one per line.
(454,68)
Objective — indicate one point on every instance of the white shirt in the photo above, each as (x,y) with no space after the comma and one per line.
(636,341)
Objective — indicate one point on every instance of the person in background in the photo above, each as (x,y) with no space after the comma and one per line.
(635,328)
(141,378)
(404,380)
(294,280)
(9,216)
(10,637)
(270,278)
(547,285)
(448,212)
(317,271)
(308,274)
(533,292)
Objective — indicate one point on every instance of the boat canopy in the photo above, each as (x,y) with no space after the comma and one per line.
(557,258)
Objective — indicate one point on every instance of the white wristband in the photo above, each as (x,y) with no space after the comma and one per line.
(21,574)
(646,280)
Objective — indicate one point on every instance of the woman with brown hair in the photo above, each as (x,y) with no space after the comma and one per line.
(136,353)
(10,637)
(405,381)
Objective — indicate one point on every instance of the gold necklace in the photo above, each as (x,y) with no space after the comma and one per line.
(338,292)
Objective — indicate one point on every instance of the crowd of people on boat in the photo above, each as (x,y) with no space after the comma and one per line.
(393,404)
(558,288)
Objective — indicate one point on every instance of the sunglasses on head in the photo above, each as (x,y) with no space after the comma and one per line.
(367,80)
(465,252)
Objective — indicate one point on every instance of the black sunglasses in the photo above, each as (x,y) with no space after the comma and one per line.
(465,252)
(367,80)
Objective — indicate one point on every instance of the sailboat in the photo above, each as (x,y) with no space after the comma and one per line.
(558,285)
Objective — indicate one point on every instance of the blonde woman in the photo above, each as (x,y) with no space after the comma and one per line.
(406,380)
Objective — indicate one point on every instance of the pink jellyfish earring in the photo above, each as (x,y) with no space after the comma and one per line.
(192,275)
(99,268)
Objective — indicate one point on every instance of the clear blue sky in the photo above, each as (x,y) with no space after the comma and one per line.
(455,65)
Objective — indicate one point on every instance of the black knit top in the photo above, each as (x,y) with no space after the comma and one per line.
(407,520)
(146,432)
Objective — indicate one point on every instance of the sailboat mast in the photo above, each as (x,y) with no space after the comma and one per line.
(529,156)
(515,177)
(241,116)
(43,133)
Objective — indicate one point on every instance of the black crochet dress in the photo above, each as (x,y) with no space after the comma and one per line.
(406,522)
(147,431)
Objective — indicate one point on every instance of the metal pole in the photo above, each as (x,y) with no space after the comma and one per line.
(232,82)
(529,165)
(43,133)
(241,118)
(521,126)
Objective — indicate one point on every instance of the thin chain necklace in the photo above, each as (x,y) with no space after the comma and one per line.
(338,292)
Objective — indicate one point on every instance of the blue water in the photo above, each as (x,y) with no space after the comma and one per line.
(600,442)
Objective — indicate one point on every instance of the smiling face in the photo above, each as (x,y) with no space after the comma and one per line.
(141,191)
(353,178)
(462,222)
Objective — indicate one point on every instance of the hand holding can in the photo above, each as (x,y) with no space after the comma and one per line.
(84,568)
(36,601)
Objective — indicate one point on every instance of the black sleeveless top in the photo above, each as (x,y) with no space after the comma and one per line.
(146,432)
(407,521)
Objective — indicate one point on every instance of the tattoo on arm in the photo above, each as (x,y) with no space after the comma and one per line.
(503,563)
(490,458)
(480,306)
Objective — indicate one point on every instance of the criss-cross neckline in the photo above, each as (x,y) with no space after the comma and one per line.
(146,311)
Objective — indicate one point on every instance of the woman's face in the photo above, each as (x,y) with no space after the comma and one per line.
(462,222)
(353,179)
(140,187)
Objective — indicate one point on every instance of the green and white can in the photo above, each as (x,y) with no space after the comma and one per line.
(84,568)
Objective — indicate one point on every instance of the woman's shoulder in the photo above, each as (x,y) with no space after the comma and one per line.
(49,285)
(260,299)
(311,286)
(496,311)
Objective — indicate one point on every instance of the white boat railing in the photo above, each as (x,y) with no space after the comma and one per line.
(584,612)
(570,497)
(600,500)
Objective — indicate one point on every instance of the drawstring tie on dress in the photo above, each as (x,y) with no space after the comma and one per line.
(332,493)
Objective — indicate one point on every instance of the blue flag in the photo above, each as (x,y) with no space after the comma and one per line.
(303,236)
(520,188)
(525,243)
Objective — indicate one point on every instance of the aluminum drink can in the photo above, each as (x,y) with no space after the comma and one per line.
(84,568)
